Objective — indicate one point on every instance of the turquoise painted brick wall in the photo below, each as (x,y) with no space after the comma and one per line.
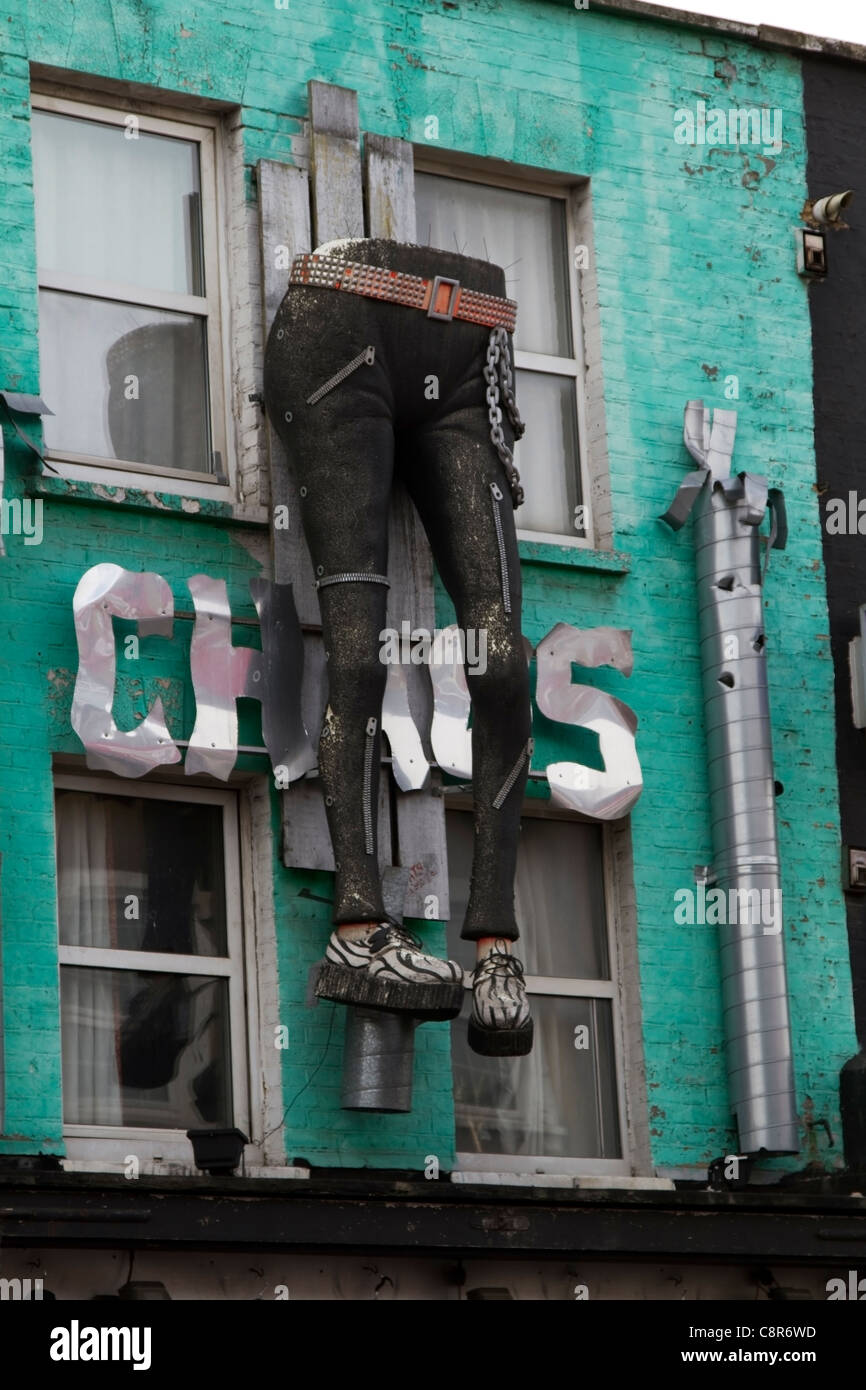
(696,283)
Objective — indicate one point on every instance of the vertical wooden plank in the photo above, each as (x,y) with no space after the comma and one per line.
(390,187)
(420,815)
(306,841)
(284,221)
(329,206)
(335,154)
(314,693)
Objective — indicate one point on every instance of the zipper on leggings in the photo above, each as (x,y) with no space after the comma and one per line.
(368,784)
(526,753)
(368,356)
(500,541)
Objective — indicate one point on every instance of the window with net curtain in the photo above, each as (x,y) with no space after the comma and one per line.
(561,1101)
(526,234)
(122,302)
(145,1046)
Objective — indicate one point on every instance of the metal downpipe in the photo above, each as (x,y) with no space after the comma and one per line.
(728,511)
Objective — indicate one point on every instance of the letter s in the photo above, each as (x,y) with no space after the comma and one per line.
(604,795)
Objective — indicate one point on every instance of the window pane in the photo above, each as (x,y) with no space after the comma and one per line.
(558,899)
(144,1049)
(525,233)
(547,458)
(124,382)
(135,874)
(117,208)
(559,1102)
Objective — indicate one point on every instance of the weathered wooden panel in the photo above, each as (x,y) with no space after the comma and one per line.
(390,188)
(330,205)
(422,850)
(284,219)
(314,694)
(335,150)
(306,840)
(420,815)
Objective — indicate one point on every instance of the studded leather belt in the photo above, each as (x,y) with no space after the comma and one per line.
(440,298)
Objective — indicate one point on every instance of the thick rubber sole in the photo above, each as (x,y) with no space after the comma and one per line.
(430,1002)
(501,1042)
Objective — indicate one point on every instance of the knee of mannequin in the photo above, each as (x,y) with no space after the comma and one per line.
(505,676)
(355,675)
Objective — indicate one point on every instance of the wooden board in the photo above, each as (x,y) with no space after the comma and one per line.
(335,157)
(284,223)
(306,840)
(420,815)
(390,188)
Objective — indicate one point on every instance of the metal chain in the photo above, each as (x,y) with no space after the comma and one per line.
(500,381)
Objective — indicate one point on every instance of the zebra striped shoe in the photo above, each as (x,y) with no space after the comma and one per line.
(500,1025)
(386,969)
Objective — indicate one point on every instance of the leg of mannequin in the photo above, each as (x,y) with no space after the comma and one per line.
(451,473)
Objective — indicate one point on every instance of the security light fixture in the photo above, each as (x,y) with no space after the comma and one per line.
(854,869)
(811,253)
(829,210)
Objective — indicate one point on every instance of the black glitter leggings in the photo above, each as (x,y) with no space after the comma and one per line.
(419,410)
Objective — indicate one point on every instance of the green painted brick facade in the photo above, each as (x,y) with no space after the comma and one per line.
(696,284)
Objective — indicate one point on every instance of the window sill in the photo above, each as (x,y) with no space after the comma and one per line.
(595,1182)
(146,500)
(176,1170)
(574,557)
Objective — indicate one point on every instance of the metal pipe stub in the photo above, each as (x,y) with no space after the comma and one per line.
(379,1046)
(378,1061)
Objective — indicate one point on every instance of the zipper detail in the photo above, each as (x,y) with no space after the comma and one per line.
(368,356)
(372,725)
(500,541)
(513,775)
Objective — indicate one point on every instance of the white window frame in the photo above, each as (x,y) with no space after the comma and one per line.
(154,1145)
(203,130)
(573,367)
(566,987)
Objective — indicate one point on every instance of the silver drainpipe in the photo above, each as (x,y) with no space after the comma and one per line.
(728,511)
(2,1059)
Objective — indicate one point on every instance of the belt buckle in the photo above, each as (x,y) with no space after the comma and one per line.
(448,314)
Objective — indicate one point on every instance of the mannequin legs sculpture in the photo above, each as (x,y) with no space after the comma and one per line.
(412,404)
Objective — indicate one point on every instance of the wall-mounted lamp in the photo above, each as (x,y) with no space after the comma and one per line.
(853,869)
(811,253)
(827,212)
(811,240)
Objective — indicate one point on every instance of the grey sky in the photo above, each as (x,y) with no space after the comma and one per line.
(836,19)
